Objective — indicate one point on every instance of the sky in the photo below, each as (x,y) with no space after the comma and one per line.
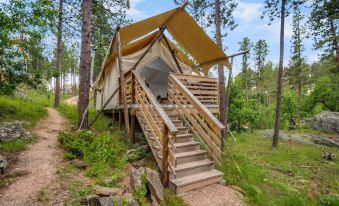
(247,16)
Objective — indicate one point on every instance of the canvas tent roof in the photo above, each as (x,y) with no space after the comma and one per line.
(183,29)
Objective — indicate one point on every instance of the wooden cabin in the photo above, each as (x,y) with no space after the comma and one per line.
(147,79)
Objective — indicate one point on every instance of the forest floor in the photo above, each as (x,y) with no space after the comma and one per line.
(41,161)
(72,101)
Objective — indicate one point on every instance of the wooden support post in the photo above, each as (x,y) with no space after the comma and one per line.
(133,113)
(120,119)
(113,118)
(123,84)
(165,152)
(172,53)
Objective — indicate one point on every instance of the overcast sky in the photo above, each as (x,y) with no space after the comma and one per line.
(247,16)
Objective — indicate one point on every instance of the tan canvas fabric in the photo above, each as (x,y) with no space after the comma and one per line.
(110,82)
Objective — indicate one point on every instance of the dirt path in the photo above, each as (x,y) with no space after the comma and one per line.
(41,160)
(72,101)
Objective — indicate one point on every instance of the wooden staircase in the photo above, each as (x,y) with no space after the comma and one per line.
(172,136)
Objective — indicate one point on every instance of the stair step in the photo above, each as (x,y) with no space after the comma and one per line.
(178,123)
(192,168)
(190,156)
(186,146)
(195,181)
(182,130)
(184,137)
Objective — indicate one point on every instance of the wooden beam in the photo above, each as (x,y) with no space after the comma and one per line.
(103,107)
(172,52)
(165,152)
(122,84)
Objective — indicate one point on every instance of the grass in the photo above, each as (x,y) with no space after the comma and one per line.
(30,110)
(292,174)
(14,146)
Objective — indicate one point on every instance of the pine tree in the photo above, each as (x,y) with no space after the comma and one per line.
(217,14)
(297,60)
(277,9)
(324,26)
(58,60)
(245,45)
(260,52)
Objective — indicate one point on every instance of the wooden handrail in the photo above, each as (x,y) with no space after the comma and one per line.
(167,121)
(196,103)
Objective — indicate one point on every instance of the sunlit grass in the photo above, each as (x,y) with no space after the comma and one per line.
(292,174)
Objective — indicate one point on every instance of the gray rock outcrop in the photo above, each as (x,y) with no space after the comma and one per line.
(10,131)
(325,121)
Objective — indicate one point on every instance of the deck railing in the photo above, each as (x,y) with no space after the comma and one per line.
(159,125)
(197,117)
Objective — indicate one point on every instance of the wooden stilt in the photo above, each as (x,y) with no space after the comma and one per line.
(120,120)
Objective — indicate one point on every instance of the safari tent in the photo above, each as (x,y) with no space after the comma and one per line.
(146,77)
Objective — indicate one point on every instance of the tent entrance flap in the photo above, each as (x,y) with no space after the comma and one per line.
(155,75)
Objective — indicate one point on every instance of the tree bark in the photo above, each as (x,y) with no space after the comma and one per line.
(280,74)
(228,93)
(58,60)
(85,63)
(335,40)
(222,92)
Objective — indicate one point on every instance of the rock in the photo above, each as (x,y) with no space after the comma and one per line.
(10,131)
(136,177)
(3,164)
(155,186)
(78,164)
(90,200)
(106,201)
(52,130)
(125,200)
(300,138)
(21,95)
(139,163)
(107,191)
(325,121)
(19,172)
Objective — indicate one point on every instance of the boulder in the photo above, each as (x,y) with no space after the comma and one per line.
(301,138)
(325,121)
(136,177)
(125,200)
(3,164)
(154,185)
(79,164)
(106,201)
(107,191)
(18,172)
(90,200)
(10,131)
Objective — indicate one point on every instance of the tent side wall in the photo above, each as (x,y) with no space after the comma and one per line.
(110,81)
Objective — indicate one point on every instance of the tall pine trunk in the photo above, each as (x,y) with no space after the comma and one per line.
(335,40)
(229,86)
(222,92)
(280,74)
(85,63)
(58,60)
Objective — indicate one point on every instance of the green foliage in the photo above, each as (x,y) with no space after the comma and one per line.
(101,152)
(289,110)
(14,146)
(139,154)
(325,93)
(171,199)
(29,110)
(139,194)
(282,176)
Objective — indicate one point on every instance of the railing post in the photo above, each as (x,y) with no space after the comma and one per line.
(132,133)
(165,151)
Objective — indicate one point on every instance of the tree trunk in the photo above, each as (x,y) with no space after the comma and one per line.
(222,92)
(280,74)
(246,84)
(58,60)
(228,93)
(85,63)
(335,40)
